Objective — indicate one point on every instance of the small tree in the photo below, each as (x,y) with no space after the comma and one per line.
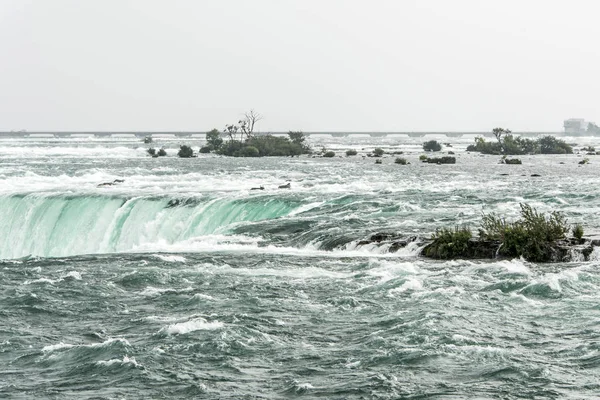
(231,131)
(185,151)
(432,145)
(378,152)
(498,133)
(298,139)
(214,140)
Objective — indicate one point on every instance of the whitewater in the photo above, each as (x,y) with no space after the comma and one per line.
(182,282)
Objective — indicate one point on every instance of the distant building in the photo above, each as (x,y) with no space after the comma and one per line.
(575,125)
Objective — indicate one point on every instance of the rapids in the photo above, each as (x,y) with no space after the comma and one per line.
(181,282)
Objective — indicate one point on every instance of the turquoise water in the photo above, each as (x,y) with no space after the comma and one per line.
(181,282)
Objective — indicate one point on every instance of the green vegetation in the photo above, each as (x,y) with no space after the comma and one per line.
(507,144)
(584,161)
(531,237)
(534,236)
(151,151)
(214,140)
(205,149)
(590,149)
(378,152)
(329,154)
(448,243)
(148,139)
(161,153)
(351,152)
(552,145)
(185,151)
(441,160)
(250,151)
(242,142)
(401,161)
(432,145)
(577,232)
(423,158)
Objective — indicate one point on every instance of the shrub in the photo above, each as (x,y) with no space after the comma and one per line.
(432,145)
(448,243)
(423,158)
(329,154)
(577,231)
(249,151)
(552,145)
(588,148)
(205,149)
(529,237)
(351,152)
(185,151)
(378,152)
(151,151)
(148,139)
(161,153)
(584,161)
(378,162)
(214,141)
(401,161)
(484,147)
(509,145)
(267,145)
(442,160)
(298,138)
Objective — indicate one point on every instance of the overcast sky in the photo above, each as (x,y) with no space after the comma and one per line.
(312,65)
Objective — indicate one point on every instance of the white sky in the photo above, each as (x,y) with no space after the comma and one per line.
(312,65)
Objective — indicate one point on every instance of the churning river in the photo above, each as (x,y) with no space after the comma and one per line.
(181,282)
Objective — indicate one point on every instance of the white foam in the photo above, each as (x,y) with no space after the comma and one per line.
(386,270)
(42,280)
(410,284)
(125,361)
(58,346)
(62,345)
(515,266)
(192,325)
(73,274)
(202,296)
(170,258)
(304,386)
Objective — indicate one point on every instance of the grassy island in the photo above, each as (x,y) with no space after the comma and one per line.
(535,237)
(507,144)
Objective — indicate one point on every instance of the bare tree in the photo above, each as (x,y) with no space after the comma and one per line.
(231,131)
(248,123)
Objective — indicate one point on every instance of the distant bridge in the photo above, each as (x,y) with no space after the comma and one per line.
(143,134)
